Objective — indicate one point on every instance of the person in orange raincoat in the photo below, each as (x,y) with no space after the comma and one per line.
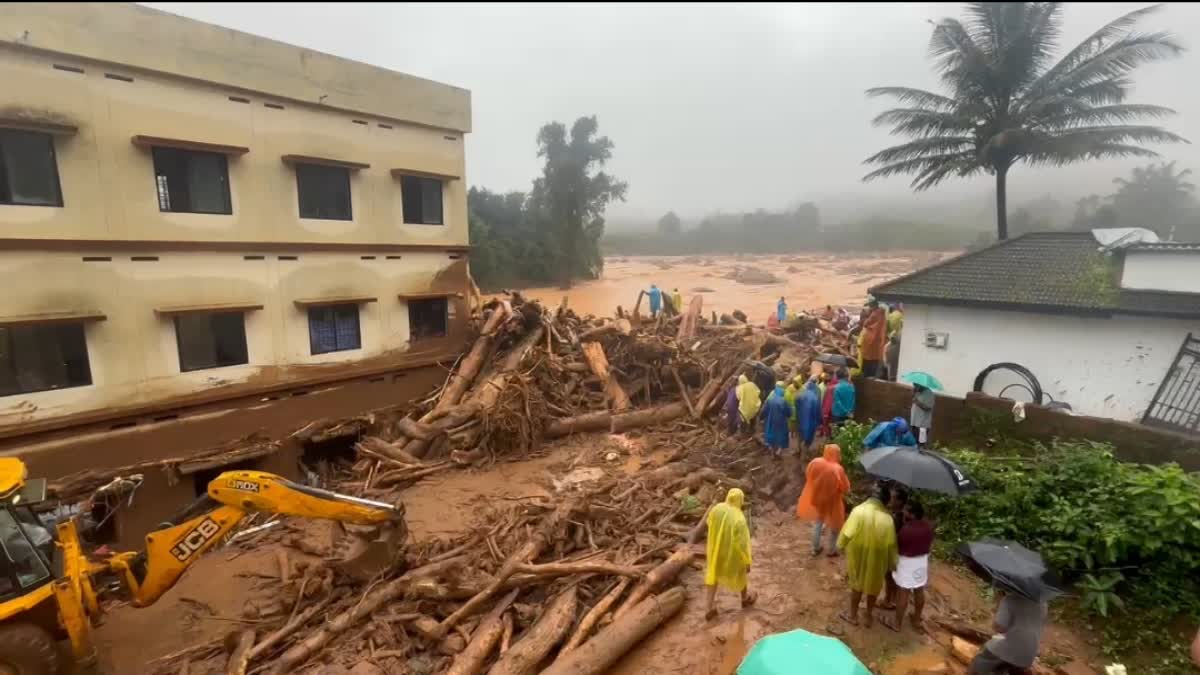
(822,501)
(874,339)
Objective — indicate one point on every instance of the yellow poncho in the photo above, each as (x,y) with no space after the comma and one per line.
(869,540)
(749,398)
(728,544)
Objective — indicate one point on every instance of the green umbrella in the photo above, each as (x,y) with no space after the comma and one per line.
(800,652)
(922,380)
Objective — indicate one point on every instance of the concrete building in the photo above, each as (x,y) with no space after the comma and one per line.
(1111,328)
(195,220)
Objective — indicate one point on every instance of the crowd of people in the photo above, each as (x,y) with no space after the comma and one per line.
(886,540)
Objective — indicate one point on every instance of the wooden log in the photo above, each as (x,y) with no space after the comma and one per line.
(524,657)
(589,620)
(728,320)
(683,391)
(381,595)
(546,532)
(597,655)
(378,446)
(290,627)
(465,375)
(396,476)
(470,661)
(617,327)
(414,429)
(593,353)
(506,638)
(585,567)
(239,658)
(657,578)
(687,327)
(565,426)
(642,418)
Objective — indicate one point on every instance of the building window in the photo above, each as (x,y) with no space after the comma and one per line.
(324,191)
(28,169)
(211,340)
(333,328)
(427,318)
(422,198)
(42,357)
(191,182)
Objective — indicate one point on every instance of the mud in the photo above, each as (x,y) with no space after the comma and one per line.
(827,279)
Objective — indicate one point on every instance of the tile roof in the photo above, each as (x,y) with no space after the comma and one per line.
(1061,272)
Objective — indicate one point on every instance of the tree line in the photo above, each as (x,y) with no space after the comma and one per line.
(550,234)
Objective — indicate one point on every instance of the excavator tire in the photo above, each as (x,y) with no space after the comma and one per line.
(26,649)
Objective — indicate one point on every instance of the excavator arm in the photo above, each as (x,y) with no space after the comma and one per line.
(170,551)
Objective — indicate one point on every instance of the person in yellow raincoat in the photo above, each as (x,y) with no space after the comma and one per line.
(749,399)
(869,541)
(789,394)
(677,300)
(728,551)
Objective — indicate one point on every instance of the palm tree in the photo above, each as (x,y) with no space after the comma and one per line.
(1007,101)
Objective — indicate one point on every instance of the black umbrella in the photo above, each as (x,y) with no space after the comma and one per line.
(837,360)
(1012,567)
(917,468)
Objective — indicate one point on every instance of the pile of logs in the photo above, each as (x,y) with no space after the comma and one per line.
(562,586)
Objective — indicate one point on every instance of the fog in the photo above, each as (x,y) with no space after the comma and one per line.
(711,106)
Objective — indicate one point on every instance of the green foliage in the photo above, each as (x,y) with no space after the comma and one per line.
(1008,100)
(1155,195)
(553,232)
(1099,592)
(849,437)
(1088,513)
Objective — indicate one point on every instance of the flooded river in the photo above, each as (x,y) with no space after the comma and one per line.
(806,280)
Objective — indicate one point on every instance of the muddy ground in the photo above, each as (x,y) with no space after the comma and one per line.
(806,280)
(795,589)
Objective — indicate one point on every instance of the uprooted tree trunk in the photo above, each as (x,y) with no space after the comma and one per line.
(657,578)
(484,640)
(593,353)
(597,655)
(524,656)
(593,616)
(617,423)
(687,327)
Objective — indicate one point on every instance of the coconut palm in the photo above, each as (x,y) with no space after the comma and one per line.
(1008,101)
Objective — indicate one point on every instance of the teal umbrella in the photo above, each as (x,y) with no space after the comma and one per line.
(922,380)
(800,652)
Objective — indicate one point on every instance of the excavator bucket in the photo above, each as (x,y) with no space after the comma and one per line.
(365,556)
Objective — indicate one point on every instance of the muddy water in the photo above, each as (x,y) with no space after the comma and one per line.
(806,281)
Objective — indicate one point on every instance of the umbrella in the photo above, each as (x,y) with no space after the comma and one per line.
(800,652)
(922,379)
(917,468)
(837,360)
(1012,567)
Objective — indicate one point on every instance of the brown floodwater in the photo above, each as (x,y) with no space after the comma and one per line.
(805,280)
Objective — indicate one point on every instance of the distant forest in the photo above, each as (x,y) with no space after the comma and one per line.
(1156,196)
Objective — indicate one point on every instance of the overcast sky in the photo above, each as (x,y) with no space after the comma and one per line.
(711,106)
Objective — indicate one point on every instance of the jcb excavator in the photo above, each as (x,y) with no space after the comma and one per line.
(46,582)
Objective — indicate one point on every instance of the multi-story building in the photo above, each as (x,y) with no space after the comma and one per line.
(204,234)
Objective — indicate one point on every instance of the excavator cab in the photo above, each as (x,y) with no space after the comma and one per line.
(45,591)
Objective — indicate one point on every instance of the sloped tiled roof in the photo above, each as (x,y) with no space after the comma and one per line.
(1061,272)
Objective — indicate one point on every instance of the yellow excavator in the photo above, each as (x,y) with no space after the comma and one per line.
(46,581)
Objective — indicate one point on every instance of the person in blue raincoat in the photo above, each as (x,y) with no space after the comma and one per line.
(655,300)
(775,414)
(781,310)
(808,413)
(893,433)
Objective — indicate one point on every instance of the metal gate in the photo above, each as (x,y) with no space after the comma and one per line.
(1176,405)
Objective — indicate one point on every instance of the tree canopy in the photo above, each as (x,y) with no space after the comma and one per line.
(670,224)
(1008,101)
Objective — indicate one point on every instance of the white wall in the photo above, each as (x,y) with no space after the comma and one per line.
(1102,367)
(1162,271)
